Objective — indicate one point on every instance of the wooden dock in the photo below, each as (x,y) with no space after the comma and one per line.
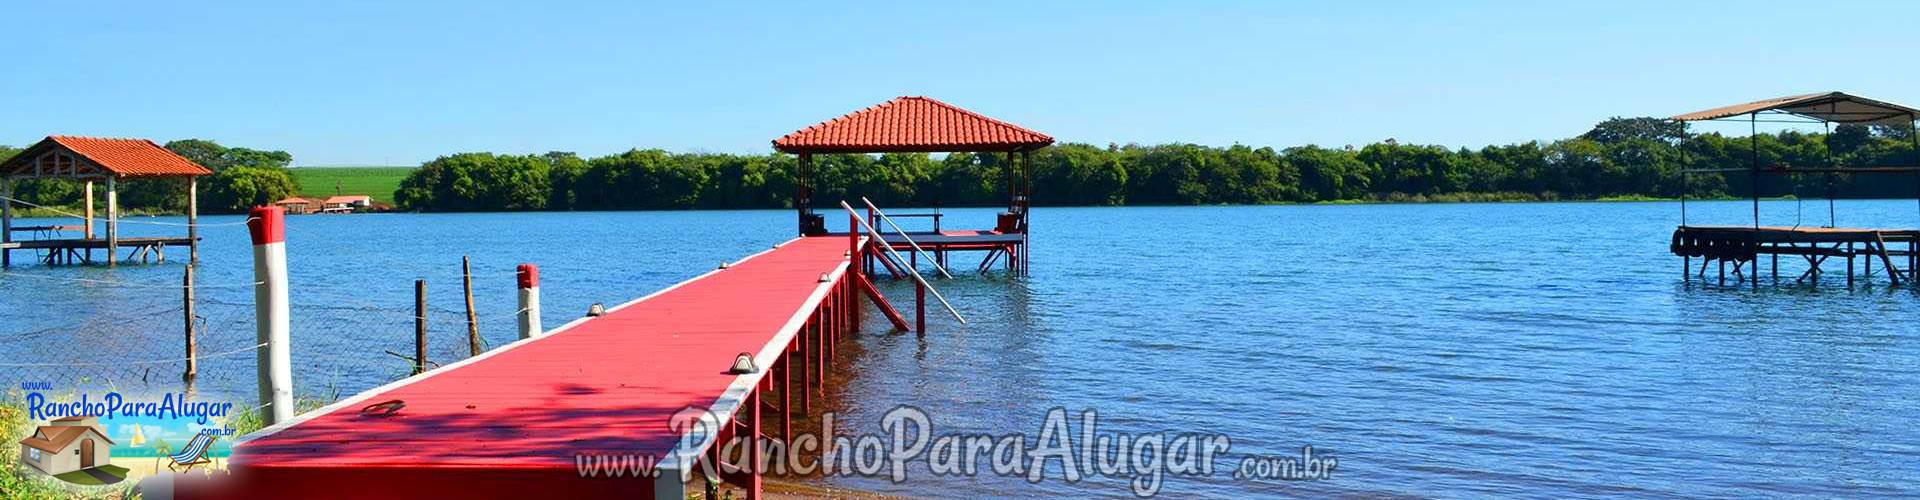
(1001,248)
(80,250)
(511,422)
(1742,246)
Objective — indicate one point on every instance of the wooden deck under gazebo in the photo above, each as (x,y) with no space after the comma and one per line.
(89,160)
(1743,245)
(915,124)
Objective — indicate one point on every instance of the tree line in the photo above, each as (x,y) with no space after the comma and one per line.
(242,178)
(1618,158)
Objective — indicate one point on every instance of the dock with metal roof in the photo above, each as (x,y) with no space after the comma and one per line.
(1743,246)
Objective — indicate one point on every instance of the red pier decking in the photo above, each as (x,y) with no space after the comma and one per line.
(511,422)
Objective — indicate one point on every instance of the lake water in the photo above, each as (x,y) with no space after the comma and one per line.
(1532,350)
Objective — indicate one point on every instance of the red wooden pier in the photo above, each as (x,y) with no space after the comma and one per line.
(514,421)
(511,421)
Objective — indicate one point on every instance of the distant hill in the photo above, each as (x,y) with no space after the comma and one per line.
(376,181)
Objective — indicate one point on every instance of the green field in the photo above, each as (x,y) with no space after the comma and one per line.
(378,182)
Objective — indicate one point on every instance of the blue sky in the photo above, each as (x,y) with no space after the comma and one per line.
(403,82)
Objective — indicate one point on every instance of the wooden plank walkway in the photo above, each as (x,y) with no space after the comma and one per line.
(512,421)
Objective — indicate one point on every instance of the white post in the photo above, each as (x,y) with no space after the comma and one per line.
(193,220)
(274,362)
(529,301)
(113,220)
(6,220)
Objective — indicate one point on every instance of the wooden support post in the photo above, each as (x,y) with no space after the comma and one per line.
(920,308)
(473,324)
(853,243)
(786,398)
(820,349)
(193,365)
(833,329)
(850,299)
(1892,275)
(193,220)
(113,220)
(806,367)
(1686,269)
(6,220)
(419,326)
(754,478)
(88,231)
(87,212)
(1849,264)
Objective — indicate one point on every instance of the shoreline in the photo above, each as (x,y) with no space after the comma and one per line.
(28,213)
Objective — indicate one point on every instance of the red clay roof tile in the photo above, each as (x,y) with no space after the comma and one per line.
(123,157)
(911,124)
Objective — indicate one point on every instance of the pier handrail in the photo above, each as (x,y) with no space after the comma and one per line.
(903,234)
(874,235)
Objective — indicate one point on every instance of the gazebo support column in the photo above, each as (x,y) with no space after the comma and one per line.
(113,220)
(87,198)
(193,220)
(803,193)
(87,231)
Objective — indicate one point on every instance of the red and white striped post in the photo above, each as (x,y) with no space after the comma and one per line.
(274,361)
(529,301)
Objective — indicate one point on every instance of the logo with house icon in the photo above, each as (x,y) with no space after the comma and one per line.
(75,449)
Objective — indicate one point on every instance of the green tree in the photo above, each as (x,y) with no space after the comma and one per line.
(241,187)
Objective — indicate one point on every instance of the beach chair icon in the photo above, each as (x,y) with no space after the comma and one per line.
(195,453)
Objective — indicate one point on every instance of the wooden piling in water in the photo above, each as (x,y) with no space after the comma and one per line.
(473,324)
(419,326)
(193,365)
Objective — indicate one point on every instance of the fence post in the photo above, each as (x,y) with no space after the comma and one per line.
(529,300)
(473,324)
(193,365)
(274,362)
(419,326)
(6,220)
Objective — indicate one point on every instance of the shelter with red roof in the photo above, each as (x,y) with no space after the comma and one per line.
(89,160)
(915,124)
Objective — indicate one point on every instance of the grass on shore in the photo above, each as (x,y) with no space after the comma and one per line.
(378,182)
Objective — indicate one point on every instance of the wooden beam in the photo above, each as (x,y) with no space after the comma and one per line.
(1886,259)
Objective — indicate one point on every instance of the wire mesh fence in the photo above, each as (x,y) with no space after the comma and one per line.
(344,339)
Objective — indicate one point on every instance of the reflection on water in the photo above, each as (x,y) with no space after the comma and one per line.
(1544,350)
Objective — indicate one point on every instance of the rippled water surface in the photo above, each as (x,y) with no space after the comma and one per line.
(1536,350)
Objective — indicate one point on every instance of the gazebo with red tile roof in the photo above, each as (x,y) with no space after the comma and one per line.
(90,159)
(915,124)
